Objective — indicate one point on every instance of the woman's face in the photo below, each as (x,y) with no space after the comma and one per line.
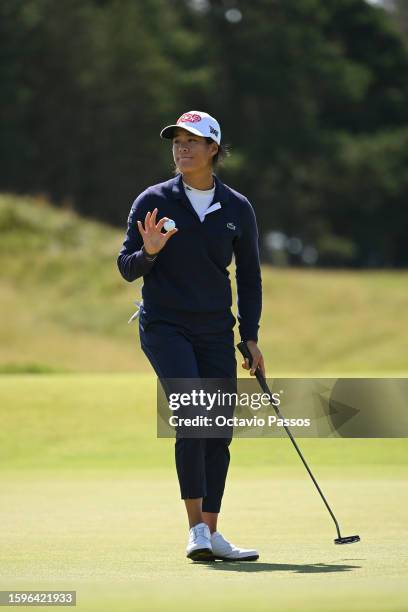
(192,153)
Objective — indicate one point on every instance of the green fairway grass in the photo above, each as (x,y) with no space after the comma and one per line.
(90,502)
(106,421)
(119,542)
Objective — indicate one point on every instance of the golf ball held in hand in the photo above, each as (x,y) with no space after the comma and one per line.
(169,225)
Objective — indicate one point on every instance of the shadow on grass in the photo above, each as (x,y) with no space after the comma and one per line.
(308,568)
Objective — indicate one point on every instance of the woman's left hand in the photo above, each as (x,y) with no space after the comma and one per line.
(257,358)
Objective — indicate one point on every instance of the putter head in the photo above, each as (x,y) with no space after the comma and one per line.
(347,540)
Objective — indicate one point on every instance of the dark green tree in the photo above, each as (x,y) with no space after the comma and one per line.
(312,96)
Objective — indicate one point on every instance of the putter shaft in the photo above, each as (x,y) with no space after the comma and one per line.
(242,346)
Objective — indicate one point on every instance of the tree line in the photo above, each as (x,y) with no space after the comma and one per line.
(312,97)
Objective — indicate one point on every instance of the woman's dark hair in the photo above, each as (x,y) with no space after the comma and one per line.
(218,159)
(221,155)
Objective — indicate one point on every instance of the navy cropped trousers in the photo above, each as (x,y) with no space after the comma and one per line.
(190,349)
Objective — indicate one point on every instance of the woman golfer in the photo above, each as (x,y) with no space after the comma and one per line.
(186,323)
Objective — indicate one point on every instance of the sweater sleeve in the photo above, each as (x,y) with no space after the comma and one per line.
(248,276)
(132,260)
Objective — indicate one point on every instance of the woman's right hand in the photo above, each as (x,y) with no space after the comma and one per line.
(153,238)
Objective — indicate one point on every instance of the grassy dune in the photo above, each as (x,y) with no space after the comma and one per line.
(65,306)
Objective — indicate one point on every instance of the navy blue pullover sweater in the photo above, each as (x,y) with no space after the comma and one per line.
(190,272)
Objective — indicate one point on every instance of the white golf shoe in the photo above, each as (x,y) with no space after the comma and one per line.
(199,543)
(229,552)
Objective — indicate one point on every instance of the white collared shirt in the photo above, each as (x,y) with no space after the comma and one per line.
(200,199)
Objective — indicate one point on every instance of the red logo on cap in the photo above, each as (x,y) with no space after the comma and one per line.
(189,118)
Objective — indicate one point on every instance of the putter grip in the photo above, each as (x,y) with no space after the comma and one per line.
(246,353)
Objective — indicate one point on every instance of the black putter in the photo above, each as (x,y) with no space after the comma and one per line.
(242,346)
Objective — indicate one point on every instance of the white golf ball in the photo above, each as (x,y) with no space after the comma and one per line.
(169,225)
